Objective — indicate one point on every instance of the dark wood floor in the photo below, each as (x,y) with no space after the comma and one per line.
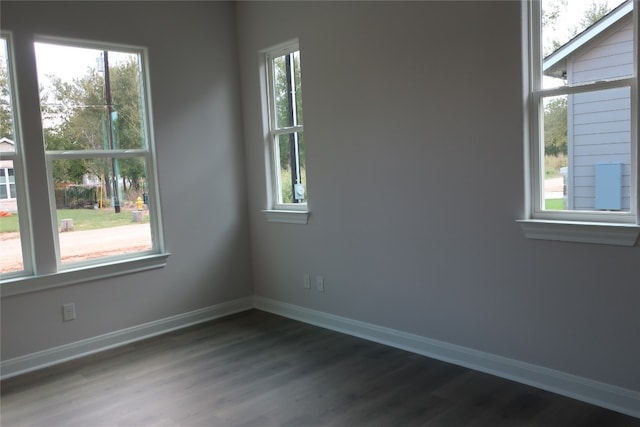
(257,369)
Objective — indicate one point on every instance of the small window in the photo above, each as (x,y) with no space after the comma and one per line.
(583,111)
(97,146)
(286,132)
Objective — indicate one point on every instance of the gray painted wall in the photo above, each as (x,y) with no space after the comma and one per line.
(413,132)
(195,95)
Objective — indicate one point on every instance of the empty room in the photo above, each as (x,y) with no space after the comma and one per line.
(328,213)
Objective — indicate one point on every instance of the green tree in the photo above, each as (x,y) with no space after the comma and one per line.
(551,14)
(593,14)
(129,133)
(282,105)
(78,116)
(553,17)
(6,122)
(555,127)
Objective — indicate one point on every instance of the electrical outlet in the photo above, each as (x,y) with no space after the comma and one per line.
(68,312)
(320,283)
(307,281)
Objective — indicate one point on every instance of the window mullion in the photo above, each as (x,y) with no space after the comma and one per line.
(36,188)
(80,154)
(588,87)
(287,130)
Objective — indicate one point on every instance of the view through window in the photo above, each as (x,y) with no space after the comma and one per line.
(584,95)
(11,260)
(97,148)
(286,125)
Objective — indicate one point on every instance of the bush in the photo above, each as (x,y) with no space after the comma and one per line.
(80,197)
(552,165)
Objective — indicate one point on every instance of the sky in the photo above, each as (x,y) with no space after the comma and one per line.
(69,62)
(571,15)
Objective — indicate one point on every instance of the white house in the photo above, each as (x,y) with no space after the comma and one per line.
(7,180)
(598,123)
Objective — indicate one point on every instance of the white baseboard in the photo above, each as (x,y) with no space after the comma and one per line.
(63,353)
(601,394)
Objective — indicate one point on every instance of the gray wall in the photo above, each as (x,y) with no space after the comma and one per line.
(195,95)
(413,132)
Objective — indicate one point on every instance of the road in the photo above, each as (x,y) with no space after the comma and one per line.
(81,245)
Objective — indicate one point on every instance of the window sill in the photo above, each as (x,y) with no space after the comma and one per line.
(291,217)
(581,232)
(23,285)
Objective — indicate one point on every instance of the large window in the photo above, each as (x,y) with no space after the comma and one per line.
(97,149)
(583,111)
(286,133)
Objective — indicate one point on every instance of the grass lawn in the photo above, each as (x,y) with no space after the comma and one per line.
(83,219)
(554,204)
(8,224)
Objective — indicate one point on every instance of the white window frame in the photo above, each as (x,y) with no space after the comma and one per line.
(16,156)
(42,266)
(296,213)
(615,228)
(7,183)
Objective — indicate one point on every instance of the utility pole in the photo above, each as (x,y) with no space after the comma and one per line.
(107,90)
(294,162)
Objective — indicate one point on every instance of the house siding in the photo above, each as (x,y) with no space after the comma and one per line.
(7,205)
(599,125)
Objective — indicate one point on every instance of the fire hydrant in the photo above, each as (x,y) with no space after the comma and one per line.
(139,203)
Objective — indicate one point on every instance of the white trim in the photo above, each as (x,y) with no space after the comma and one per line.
(581,232)
(87,43)
(601,394)
(84,274)
(63,353)
(100,154)
(291,217)
(608,396)
(273,131)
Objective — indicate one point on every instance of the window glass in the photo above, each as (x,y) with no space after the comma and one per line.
(93,102)
(582,110)
(565,25)
(287,90)
(287,136)
(88,226)
(11,257)
(292,174)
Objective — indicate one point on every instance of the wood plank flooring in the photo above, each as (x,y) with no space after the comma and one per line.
(258,369)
